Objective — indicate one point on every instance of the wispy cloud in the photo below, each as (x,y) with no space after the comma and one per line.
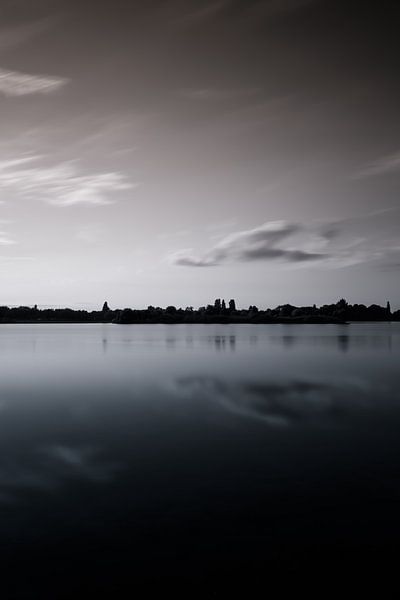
(8,259)
(62,184)
(5,239)
(385,164)
(208,11)
(263,8)
(13,83)
(15,35)
(271,8)
(216,94)
(267,242)
(334,244)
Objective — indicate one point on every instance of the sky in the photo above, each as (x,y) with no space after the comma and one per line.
(177,151)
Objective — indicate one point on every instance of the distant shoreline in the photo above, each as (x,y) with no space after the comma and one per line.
(288,321)
(220,312)
(216,322)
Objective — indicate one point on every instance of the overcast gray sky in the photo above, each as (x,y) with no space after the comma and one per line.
(175,151)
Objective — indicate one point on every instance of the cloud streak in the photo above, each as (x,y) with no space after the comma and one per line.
(222,8)
(62,184)
(209,10)
(13,83)
(205,94)
(12,36)
(5,240)
(267,242)
(386,164)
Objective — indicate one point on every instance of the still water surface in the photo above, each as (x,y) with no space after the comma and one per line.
(195,454)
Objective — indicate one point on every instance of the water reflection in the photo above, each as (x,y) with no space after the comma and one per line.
(52,468)
(156,449)
(288,340)
(343,342)
(223,342)
(382,341)
(281,404)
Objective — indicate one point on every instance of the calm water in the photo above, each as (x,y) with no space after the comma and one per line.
(206,455)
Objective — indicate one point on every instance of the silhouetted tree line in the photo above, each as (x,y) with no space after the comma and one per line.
(57,315)
(219,312)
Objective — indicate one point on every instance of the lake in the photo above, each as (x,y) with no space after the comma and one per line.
(206,456)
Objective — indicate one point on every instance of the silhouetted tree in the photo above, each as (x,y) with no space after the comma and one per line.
(342,304)
(285,310)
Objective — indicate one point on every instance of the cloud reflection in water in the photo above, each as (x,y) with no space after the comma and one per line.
(280,404)
(53,467)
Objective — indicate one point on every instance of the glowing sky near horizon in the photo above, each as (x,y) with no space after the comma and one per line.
(176,151)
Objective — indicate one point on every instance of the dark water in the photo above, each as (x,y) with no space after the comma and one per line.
(203,457)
